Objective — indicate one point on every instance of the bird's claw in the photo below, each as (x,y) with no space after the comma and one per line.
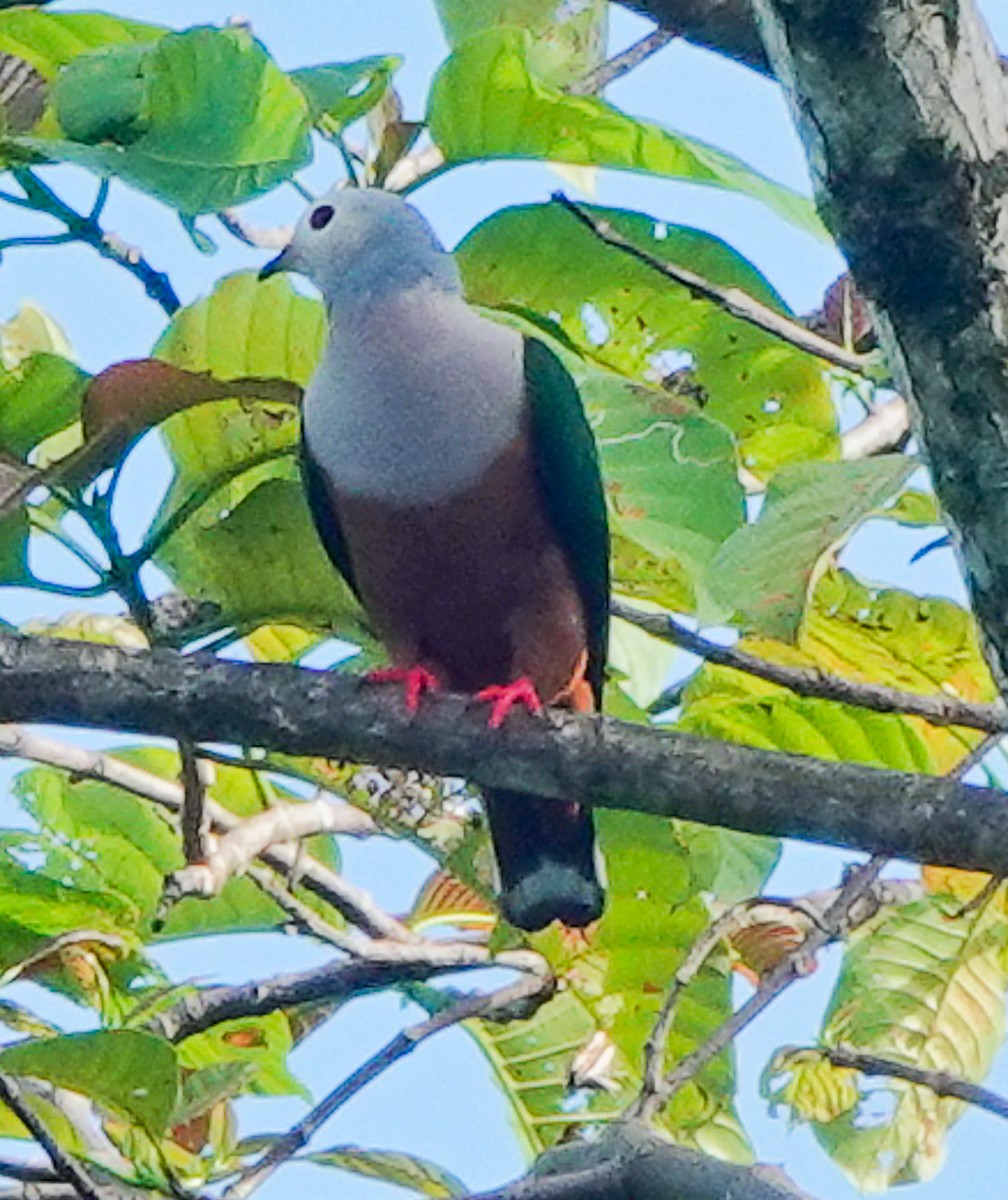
(504,697)
(416,681)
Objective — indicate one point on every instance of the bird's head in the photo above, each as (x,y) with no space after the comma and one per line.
(353,243)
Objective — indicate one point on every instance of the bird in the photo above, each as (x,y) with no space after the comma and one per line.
(454,481)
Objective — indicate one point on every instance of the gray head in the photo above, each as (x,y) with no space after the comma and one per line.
(355,243)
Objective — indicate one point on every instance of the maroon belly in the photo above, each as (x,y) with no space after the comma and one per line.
(477,587)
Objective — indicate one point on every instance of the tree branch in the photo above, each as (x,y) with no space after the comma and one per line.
(231,854)
(940,1082)
(631,1160)
(87,229)
(524,996)
(938,709)
(855,904)
(387,965)
(622,63)
(724,26)
(599,760)
(354,903)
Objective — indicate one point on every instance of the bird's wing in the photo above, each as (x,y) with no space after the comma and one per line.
(326,520)
(567,469)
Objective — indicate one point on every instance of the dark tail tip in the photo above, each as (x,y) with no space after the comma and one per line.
(553,892)
(546,855)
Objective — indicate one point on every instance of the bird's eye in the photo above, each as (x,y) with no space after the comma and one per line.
(321,216)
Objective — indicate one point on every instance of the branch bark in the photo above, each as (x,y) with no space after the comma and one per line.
(387,965)
(600,761)
(935,707)
(940,1082)
(920,209)
(629,1160)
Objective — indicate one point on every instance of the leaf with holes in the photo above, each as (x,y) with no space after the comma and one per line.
(927,988)
(261,1042)
(134,1073)
(670,473)
(764,571)
(567,40)
(392,1166)
(161,121)
(627,317)
(485,102)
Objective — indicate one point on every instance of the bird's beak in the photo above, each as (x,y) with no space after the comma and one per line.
(284,261)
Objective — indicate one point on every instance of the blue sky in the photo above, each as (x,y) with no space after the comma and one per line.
(441,1102)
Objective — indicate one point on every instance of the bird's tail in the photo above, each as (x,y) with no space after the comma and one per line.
(547,861)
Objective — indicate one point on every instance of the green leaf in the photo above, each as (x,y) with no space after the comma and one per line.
(41,392)
(343,92)
(624,316)
(118,848)
(485,102)
(568,40)
(263,563)
(615,982)
(927,988)
(182,136)
(395,1167)
(260,1042)
(257,556)
(132,1072)
(670,474)
(914,507)
(888,637)
(204,1088)
(763,572)
(50,40)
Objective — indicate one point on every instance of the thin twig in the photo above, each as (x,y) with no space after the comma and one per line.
(303,918)
(65,1166)
(940,1082)
(852,907)
(622,63)
(733,300)
(720,930)
(811,681)
(525,995)
(85,228)
(260,237)
(354,903)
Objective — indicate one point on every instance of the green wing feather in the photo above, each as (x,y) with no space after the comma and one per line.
(567,467)
(325,518)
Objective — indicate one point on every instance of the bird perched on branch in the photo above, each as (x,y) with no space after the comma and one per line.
(454,482)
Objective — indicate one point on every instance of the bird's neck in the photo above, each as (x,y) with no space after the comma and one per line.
(416,396)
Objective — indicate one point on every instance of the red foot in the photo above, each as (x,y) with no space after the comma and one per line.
(417,680)
(505,697)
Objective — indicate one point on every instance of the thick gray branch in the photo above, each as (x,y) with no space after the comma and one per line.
(599,761)
(629,1160)
(919,204)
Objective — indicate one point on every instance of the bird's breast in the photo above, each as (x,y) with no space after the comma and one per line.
(414,399)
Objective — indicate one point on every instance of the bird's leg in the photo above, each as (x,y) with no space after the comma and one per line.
(504,697)
(416,681)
